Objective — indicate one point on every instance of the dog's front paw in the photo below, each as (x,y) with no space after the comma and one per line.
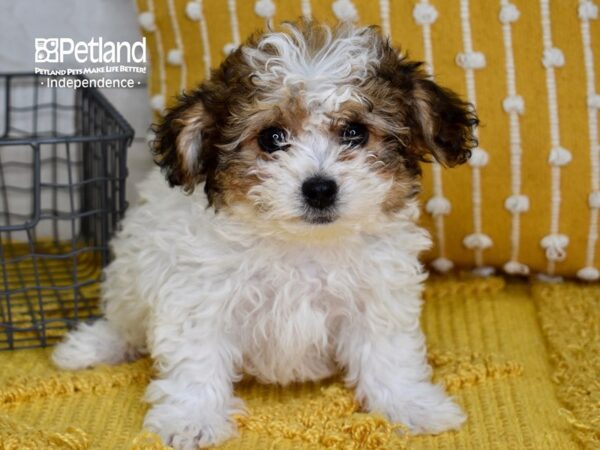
(433,414)
(183,429)
(425,409)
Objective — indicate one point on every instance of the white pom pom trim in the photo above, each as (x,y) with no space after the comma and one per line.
(559,156)
(265,8)
(175,57)
(517,203)
(479,158)
(594,101)
(516,268)
(438,205)
(553,57)
(228,49)
(192,11)
(555,246)
(345,10)
(146,20)
(425,14)
(442,265)
(594,200)
(509,13)
(470,60)
(158,103)
(588,274)
(588,10)
(483,271)
(514,103)
(549,278)
(477,240)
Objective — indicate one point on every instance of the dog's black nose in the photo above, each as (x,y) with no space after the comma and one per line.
(319,192)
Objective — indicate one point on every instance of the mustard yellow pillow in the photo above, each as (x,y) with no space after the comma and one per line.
(528,200)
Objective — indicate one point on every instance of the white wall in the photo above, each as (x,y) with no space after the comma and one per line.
(21,21)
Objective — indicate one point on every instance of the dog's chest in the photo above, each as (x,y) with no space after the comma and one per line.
(287,316)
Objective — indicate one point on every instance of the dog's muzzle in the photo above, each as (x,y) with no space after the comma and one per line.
(320,194)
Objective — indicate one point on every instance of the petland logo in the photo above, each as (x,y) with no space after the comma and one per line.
(94,63)
(96,51)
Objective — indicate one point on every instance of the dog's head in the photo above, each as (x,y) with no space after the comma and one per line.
(312,128)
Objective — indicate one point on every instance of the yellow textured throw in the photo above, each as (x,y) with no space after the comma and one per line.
(522,360)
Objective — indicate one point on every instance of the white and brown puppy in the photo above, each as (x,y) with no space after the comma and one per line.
(290,250)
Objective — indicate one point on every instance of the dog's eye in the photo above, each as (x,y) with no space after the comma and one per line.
(354,134)
(272,139)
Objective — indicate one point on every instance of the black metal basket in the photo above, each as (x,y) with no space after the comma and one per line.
(62,194)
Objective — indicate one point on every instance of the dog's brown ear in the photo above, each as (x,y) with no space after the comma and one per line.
(440,123)
(180,145)
(445,123)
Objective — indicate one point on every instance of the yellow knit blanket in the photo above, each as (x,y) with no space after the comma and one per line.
(523,361)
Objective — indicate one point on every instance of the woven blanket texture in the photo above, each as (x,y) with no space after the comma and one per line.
(522,360)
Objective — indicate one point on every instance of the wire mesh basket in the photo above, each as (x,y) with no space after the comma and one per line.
(62,194)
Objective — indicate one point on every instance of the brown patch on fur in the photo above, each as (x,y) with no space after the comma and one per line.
(181,129)
(226,100)
(387,144)
(188,141)
(406,186)
(410,120)
(440,123)
(395,166)
(238,169)
(239,177)
(401,191)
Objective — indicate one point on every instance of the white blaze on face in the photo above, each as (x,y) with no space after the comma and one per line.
(322,79)
(361,191)
(326,76)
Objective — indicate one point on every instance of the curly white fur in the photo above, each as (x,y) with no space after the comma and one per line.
(326,77)
(208,298)
(210,295)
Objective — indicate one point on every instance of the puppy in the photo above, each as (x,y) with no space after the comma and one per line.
(289,250)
